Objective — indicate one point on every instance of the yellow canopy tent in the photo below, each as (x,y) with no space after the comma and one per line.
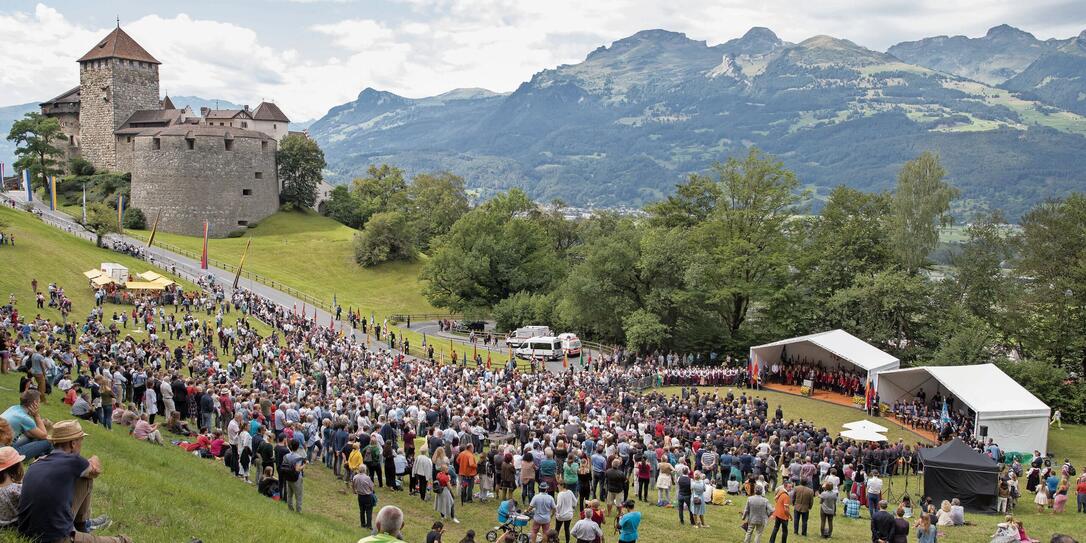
(149,276)
(101,280)
(144,285)
(163,281)
(91,274)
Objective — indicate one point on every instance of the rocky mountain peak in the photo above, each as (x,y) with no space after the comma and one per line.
(757,41)
(1008,32)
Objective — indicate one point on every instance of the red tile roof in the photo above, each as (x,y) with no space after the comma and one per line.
(268,111)
(118,44)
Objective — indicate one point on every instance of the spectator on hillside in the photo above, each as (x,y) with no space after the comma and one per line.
(362,486)
(56,492)
(27,425)
(291,475)
(388,526)
(882,525)
(11,478)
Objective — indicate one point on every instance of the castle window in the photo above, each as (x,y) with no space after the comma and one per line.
(229,145)
(246,192)
(156,144)
(274,126)
(263,146)
(243,223)
(129,140)
(190,143)
(259,175)
(244,124)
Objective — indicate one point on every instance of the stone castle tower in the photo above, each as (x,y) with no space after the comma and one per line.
(116,78)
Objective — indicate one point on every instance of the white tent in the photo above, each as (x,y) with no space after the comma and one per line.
(1002,409)
(865,425)
(831,349)
(862,434)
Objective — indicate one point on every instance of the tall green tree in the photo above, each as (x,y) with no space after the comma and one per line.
(102,220)
(921,204)
(983,283)
(343,207)
(386,237)
(491,253)
(885,309)
(742,247)
(384,188)
(435,202)
(301,162)
(1052,263)
(848,239)
(35,137)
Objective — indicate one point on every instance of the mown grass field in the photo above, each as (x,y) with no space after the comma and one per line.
(315,255)
(163,494)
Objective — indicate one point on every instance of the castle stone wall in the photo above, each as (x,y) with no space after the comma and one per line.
(206,182)
(111,90)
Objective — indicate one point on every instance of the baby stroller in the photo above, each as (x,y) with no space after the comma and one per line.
(516,524)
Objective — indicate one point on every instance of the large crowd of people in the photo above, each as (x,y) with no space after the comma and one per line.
(560,448)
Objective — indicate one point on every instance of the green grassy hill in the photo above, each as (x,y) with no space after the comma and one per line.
(161,494)
(314,254)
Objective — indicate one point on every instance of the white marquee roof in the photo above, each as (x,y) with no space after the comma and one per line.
(983,387)
(844,345)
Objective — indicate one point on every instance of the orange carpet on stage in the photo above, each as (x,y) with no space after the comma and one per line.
(841,399)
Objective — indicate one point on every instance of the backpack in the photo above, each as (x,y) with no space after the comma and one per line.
(371,456)
(287,471)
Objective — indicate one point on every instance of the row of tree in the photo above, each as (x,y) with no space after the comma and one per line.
(397,219)
(734,258)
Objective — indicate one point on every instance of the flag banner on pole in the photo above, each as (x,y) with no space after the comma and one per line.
(488,358)
(1,171)
(565,359)
(84,203)
(203,257)
(582,357)
(29,186)
(241,264)
(294,309)
(120,212)
(154,229)
(53,192)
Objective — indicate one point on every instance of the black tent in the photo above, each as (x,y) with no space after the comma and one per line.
(955,470)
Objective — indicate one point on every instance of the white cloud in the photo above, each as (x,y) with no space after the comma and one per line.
(432,46)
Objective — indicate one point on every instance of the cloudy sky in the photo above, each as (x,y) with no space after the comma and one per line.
(310,55)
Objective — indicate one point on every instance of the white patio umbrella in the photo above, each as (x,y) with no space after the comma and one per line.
(863,435)
(865,425)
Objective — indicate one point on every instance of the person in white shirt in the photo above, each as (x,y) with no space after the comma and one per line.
(563,510)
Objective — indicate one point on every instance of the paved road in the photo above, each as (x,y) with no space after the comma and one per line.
(190,268)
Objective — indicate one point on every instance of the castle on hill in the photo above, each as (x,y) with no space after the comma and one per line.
(215,165)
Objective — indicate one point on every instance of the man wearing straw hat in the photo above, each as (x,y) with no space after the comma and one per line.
(56,497)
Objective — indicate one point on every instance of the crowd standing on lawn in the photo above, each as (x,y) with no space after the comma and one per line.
(567,446)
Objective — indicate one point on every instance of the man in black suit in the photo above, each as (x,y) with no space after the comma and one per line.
(882,525)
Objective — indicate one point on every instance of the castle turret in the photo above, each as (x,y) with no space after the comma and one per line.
(117,77)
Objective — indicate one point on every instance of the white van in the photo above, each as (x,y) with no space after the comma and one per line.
(521,335)
(543,347)
(571,344)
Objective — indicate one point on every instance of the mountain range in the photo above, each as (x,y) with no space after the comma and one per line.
(1006,112)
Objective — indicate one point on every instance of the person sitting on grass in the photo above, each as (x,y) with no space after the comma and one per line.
(28,426)
(269,485)
(56,492)
(11,478)
(145,431)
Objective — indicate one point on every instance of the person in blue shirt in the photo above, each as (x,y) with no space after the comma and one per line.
(628,523)
(507,509)
(27,427)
